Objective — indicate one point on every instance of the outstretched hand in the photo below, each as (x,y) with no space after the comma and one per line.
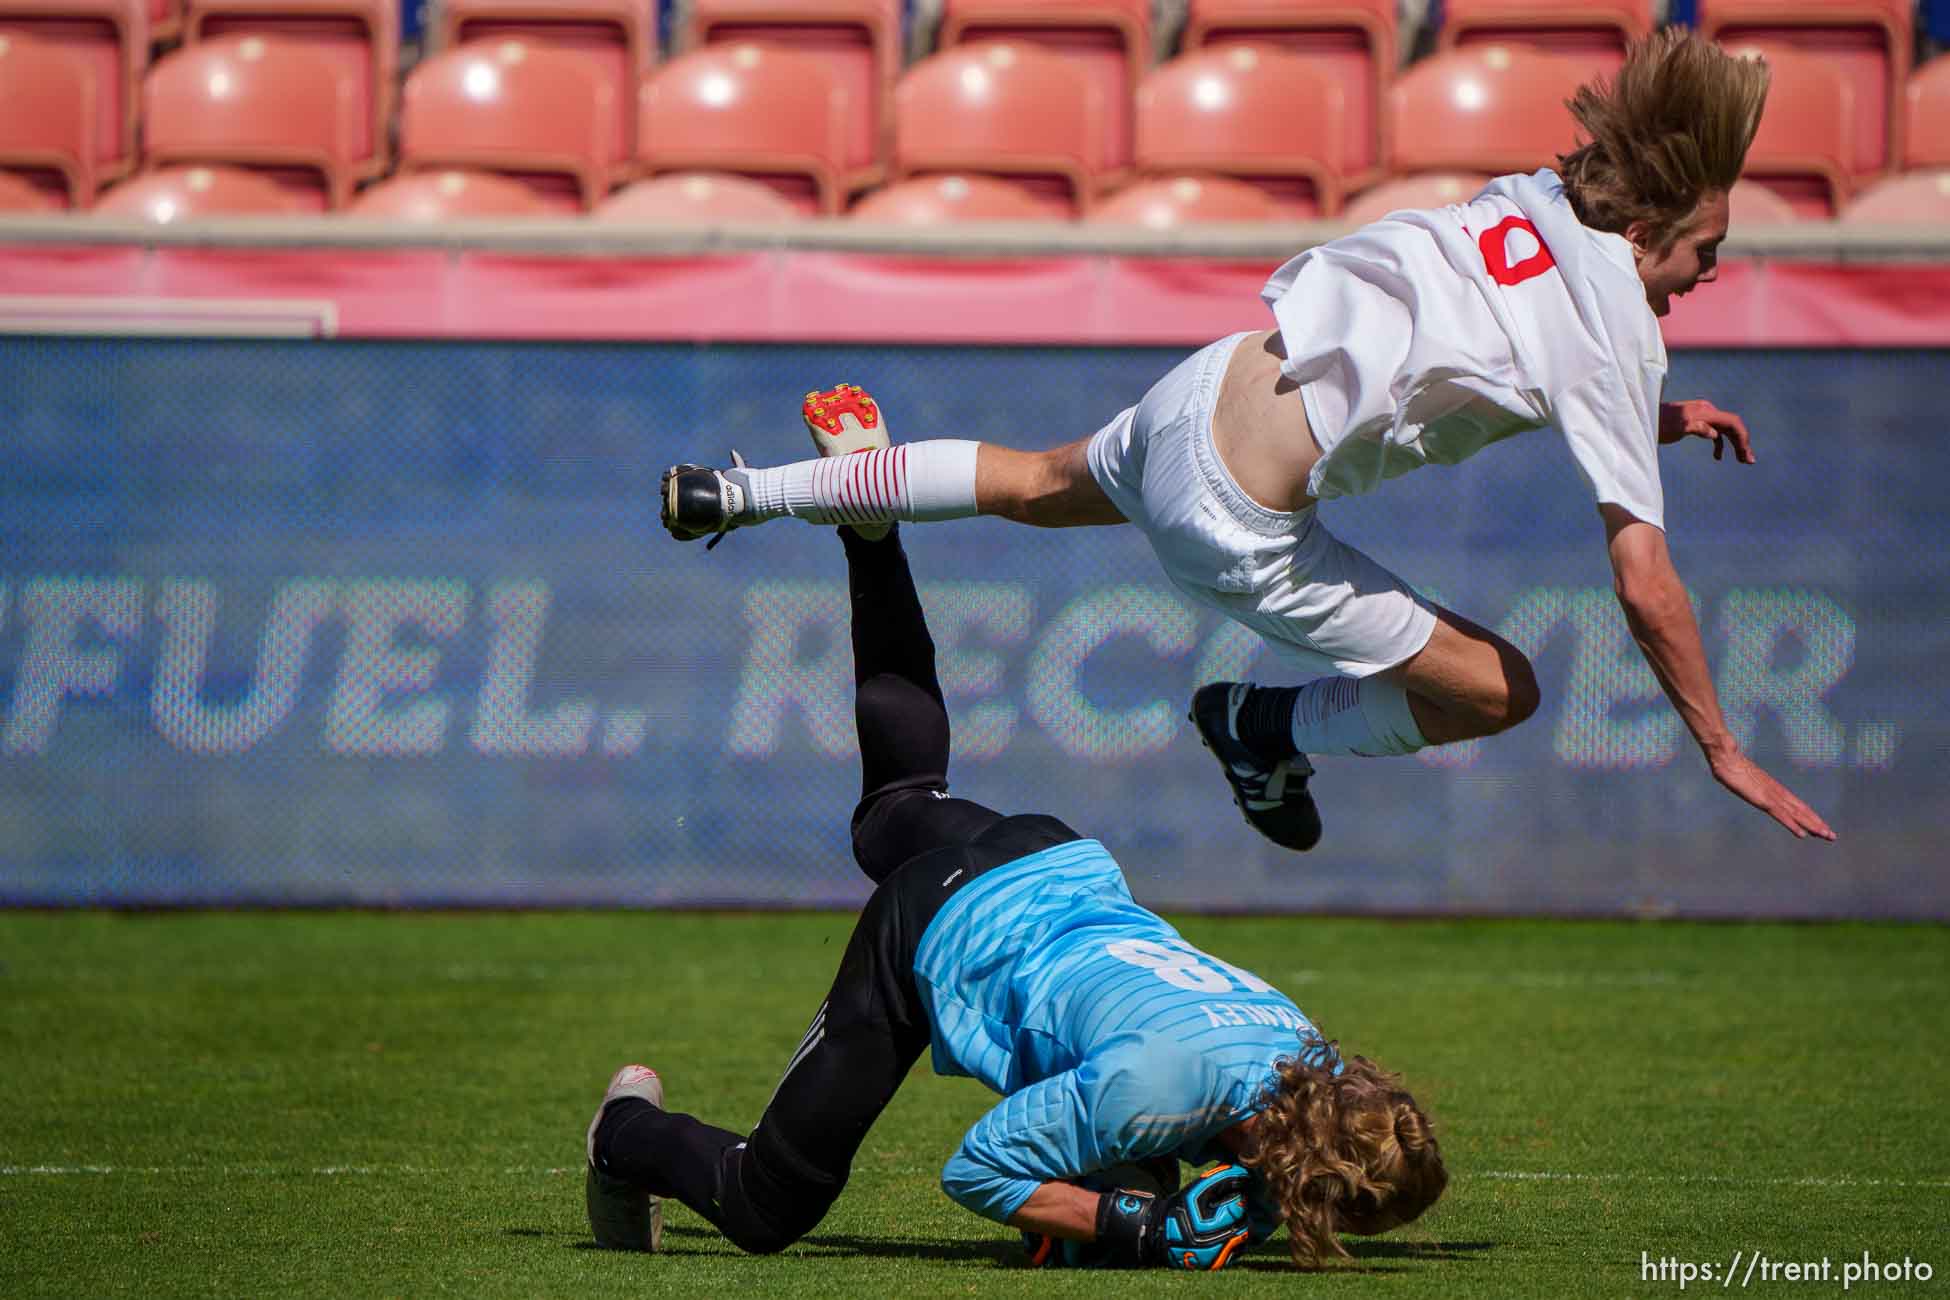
(1699,418)
(1747,779)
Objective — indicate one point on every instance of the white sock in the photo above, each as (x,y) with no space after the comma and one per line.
(1367,716)
(911,481)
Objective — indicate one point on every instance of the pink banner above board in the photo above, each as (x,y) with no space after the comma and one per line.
(1094,300)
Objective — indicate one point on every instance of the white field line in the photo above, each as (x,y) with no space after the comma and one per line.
(416,1171)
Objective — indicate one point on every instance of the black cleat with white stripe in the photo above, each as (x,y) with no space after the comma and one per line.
(1273,796)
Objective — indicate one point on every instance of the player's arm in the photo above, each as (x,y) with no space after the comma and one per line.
(1661,618)
(1699,418)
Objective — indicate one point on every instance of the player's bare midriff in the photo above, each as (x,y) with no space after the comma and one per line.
(1259,426)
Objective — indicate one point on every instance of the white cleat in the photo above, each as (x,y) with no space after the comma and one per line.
(622,1215)
(843,421)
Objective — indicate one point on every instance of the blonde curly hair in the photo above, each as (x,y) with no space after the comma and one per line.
(1347,1152)
(1673,125)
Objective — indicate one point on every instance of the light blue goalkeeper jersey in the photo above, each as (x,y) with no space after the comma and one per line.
(1109,1037)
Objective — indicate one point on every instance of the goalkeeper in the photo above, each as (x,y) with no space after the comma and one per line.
(1011,947)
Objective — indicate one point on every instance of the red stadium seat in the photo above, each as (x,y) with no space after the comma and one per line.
(257,102)
(619,36)
(47,119)
(1598,30)
(1751,203)
(19,194)
(762,111)
(860,40)
(1007,109)
(177,193)
(934,200)
(112,38)
(361,37)
(1806,135)
(1107,41)
(1257,114)
(1926,137)
(165,21)
(1492,108)
(516,107)
(1867,41)
(1428,190)
(698,198)
(1351,42)
(449,196)
(1165,204)
(1920,198)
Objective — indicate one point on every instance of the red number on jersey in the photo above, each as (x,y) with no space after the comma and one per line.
(1496,253)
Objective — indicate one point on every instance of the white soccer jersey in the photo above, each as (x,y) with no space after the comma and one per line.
(1428,335)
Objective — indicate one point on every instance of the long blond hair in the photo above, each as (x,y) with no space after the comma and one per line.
(1347,1152)
(1672,126)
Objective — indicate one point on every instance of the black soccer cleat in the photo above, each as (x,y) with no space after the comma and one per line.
(698,501)
(1273,796)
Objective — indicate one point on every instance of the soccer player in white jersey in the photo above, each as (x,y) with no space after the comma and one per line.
(1423,337)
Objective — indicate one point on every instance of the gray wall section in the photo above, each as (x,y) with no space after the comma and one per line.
(304,623)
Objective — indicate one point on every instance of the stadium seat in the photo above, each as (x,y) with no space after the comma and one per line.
(697,198)
(933,200)
(177,193)
(1007,109)
(619,36)
(19,194)
(1351,42)
(1919,198)
(532,111)
(165,21)
(1170,202)
(1806,135)
(256,102)
(1493,108)
(1867,41)
(1751,203)
(361,37)
(448,196)
(1428,190)
(762,111)
(1256,114)
(1926,136)
(860,40)
(1597,30)
(1107,41)
(47,120)
(112,38)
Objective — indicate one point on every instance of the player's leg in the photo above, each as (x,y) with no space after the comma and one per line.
(766,1189)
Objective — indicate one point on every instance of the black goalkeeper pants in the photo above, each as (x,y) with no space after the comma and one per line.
(766,1189)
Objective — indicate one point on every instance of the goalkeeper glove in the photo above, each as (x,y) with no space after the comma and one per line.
(1200,1227)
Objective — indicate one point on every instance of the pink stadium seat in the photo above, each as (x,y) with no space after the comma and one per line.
(1751,203)
(448,196)
(47,119)
(761,111)
(1492,108)
(1596,29)
(512,106)
(1428,190)
(1807,134)
(361,37)
(177,193)
(1007,109)
(256,102)
(112,38)
(1107,41)
(619,36)
(1351,42)
(1167,203)
(1920,198)
(933,200)
(698,198)
(1257,114)
(1867,41)
(860,40)
(1926,137)
(19,194)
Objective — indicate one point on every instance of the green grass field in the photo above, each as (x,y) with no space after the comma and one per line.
(355,1105)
